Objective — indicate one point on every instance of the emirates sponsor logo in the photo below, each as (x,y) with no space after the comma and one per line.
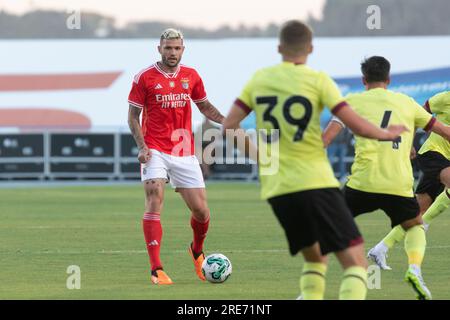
(173,100)
(173,97)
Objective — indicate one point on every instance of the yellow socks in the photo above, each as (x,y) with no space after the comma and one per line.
(397,234)
(439,205)
(354,284)
(415,244)
(312,281)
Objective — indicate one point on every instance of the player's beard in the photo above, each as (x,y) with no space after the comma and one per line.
(171,63)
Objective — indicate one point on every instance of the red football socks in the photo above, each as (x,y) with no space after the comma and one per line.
(153,234)
(200,229)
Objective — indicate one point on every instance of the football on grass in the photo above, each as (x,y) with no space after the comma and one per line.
(216,268)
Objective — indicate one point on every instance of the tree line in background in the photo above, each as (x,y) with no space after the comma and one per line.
(343,18)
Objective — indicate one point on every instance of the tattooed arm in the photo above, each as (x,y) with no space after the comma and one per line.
(135,128)
(210,112)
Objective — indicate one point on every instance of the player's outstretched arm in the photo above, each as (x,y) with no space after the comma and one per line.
(135,128)
(441,129)
(232,122)
(210,112)
(361,127)
(331,131)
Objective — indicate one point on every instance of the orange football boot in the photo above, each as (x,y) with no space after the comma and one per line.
(160,277)
(198,261)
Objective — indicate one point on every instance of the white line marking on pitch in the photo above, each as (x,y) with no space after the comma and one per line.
(182,251)
(234,251)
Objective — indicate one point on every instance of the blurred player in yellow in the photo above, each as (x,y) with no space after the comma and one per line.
(432,191)
(288,99)
(381,176)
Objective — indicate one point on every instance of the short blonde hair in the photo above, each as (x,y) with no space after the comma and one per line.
(171,33)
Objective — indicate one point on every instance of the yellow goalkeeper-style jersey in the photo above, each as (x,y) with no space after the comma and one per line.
(290,97)
(385,166)
(439,105)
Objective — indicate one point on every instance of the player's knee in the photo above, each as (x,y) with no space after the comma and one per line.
(154,194)
(352,256)
(357,261)
(445,177)
(201,212)
(424,201)
(408,224)
(313,254)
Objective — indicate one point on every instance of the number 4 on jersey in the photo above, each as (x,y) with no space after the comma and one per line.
(384,125)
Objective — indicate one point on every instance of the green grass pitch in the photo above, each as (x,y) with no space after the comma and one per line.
(44,230)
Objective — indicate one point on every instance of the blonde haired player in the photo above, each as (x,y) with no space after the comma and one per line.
(163,94)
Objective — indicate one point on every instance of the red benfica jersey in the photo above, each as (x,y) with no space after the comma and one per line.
(166,102)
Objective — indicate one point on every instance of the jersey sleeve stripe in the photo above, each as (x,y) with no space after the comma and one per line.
(200,100)
(135,104)
(427,107)
(243,106)
(430,124)
(338,107)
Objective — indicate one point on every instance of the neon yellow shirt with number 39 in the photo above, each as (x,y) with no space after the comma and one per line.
(290,98)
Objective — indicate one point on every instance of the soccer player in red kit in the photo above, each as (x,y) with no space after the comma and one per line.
(163,93)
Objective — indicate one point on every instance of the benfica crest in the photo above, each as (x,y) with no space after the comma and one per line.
(185,83)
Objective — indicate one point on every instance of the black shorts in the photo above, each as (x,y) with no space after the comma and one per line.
(398,208)
(431,164)
(312,216)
